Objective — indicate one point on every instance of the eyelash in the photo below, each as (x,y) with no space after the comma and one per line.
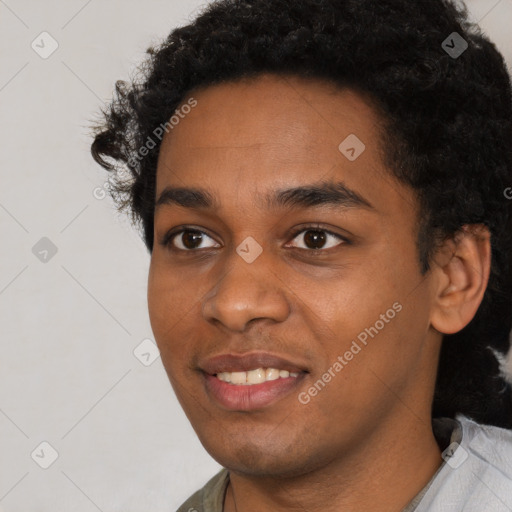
(317,227)
(171,235)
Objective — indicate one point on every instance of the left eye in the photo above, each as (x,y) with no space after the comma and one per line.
(314,238)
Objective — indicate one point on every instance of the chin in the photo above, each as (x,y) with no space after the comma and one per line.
(278,458)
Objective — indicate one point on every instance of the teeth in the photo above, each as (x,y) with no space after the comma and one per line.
(238,377)
(272,374)
(255,376)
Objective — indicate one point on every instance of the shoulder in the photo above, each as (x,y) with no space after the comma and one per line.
(476,474)
(488,447)
(209,498)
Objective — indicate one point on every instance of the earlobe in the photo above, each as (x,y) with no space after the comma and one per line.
(462,268)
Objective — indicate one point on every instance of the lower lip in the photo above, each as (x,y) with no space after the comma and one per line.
(250,397)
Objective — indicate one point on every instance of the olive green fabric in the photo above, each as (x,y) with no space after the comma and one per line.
(211,497)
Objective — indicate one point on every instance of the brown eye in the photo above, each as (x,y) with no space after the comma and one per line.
(189,239)
(316,239)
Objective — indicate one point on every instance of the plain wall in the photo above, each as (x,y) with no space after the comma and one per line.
(70,324)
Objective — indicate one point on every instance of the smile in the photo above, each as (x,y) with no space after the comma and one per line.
(256,376)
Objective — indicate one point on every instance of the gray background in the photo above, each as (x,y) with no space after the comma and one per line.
(74,373)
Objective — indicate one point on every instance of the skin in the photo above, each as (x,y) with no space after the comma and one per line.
(366,437)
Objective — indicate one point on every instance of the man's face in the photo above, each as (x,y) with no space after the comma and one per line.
(297,283)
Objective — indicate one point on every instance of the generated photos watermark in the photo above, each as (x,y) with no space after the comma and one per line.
(304,397)
(159,131)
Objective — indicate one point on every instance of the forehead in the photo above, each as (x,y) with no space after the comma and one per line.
(253,135)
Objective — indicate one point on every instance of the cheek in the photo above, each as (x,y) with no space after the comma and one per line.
(348,303)
(167,310)
(366,318)
(170,297)
(158,299)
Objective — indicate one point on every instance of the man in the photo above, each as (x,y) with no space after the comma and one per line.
(322,188)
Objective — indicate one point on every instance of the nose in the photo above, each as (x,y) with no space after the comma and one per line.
(246,292)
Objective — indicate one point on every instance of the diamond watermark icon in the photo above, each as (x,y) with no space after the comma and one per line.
(249,249)
(44,45)
(454,455)
(44,250)
(352,147)
(44,455)
(454,45)
(146,352)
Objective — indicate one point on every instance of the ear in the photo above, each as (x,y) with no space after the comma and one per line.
(462,266)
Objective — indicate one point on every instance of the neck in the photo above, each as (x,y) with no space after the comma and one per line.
(392,466)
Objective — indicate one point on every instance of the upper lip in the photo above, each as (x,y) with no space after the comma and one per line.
(248,361)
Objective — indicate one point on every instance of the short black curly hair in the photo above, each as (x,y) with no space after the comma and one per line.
(448,134)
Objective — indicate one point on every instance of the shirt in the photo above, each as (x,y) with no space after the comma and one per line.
(475,476)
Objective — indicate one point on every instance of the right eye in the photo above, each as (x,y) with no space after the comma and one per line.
(186,240)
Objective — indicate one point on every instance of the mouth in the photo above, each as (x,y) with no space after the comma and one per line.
(256,376)
(250,382)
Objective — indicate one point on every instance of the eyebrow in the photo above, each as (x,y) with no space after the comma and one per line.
(335,194)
